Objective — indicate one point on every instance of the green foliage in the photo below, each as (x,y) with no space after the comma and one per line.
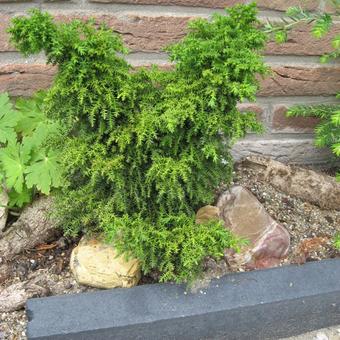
(336,241)
(151,144)
(26,164)
(328,131)
(175,245)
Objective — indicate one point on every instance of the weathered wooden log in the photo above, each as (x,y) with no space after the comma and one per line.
(316,188)
(34,226)
(15,296)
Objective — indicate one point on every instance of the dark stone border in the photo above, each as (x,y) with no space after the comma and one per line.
(266,304)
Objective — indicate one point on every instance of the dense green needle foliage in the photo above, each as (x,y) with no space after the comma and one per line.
(27,164)
(143,149)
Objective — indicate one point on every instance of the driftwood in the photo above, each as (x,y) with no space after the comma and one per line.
(15,296)
(38,284)
(33,227)
(319,189)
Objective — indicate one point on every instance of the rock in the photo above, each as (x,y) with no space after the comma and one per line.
(3,209)
(96,264)
(308,185)
(244,215)
(207,213)
(34,226)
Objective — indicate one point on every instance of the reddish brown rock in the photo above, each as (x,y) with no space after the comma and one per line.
(244,215)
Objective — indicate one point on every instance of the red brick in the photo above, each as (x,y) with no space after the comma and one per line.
(301,81)
(282,123)
(194,3)
(4,37)
(280,5)
(301,42)
(154,33)
(251,107)
(24,80)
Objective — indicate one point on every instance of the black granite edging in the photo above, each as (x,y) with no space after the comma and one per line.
(265,304)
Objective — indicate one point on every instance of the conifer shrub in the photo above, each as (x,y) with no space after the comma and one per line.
(142,150)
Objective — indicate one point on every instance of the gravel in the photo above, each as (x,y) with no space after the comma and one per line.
(310,227)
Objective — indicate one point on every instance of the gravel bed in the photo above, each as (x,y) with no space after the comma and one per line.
(310,227)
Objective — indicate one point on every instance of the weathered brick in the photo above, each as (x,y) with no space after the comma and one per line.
(5,46)
(282,123)
(301,81)
(251,107)
(282,5)
(139,32)
(301,42)
(24,79)
(291,150)
(194,3)
(154,33)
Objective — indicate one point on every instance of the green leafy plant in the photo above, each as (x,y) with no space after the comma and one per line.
(141,150)
(328,131)
(26,164)
(336,241)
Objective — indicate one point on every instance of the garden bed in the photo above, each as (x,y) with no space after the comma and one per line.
(310,227)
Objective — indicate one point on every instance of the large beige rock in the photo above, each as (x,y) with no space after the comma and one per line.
(96,264)
(319,189)
(245,216)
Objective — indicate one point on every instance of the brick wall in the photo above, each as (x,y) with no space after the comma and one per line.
(149,25)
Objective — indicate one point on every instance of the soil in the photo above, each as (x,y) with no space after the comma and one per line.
(311,228)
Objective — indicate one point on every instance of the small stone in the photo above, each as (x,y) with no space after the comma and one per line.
(96,264)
